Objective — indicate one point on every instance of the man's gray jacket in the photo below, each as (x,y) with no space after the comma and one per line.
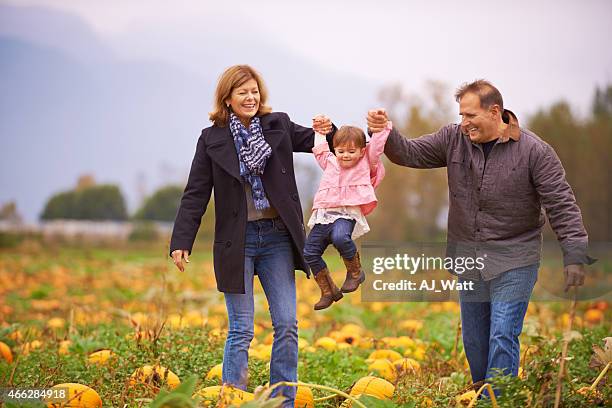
(497,207)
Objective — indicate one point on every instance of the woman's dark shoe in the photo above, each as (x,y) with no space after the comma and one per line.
(329,291)
(354,274)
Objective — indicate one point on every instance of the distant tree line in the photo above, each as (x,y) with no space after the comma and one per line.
(89,201)
(162,205)
(584,146)
(103,202)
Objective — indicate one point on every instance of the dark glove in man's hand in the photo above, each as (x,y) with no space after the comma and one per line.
(574,276)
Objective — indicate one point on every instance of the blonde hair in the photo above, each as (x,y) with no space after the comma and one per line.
(231,78)
(350,134)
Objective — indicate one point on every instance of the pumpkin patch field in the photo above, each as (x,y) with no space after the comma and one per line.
(121,327)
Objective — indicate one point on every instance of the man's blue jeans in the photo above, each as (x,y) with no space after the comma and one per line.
(268,252)
(337,233)
(492,320)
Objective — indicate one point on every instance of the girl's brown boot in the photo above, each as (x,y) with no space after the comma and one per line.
(329,291)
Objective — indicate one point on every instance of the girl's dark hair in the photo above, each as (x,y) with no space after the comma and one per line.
(350,134)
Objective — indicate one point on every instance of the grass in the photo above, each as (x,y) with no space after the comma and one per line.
(99,291)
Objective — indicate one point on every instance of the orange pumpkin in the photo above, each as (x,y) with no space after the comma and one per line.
(303,397)
(374,387)
(155,375)
(594,316)
(5,352)
(79,396)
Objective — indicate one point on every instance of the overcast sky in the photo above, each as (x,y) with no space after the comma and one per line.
(536,51)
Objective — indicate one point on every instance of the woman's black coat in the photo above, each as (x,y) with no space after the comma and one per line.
(216,165)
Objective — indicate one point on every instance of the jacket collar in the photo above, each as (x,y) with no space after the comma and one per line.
(512,130)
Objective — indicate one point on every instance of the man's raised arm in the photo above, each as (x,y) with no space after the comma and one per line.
(428,151)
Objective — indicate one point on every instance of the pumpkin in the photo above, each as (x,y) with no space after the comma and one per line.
(601,305)
(155,375)
(16,335)
(384,368)
(427,402)
(374,387)
(345,337)
(352,328)
(411,325)
(418,353)
(33,345)
(56,323)
(302,343)
(594,316)
(402,341)
(64,347)
(407,366)
(215,372)
(216,322)
(464,399)
(327,343)
(194,318)
(215,334)
(254,354)
(79,396)
(139,319)
(303,397)
(5,352)
(257,329)
(231,395)
(269,339)
(390,355)
(100,357)
(565,319)
(264,352)
(209,394)
(176,321)
(367,343)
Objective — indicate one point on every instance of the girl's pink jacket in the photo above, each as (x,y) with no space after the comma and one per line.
(353,186)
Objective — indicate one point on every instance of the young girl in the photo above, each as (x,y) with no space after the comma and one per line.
(345,196)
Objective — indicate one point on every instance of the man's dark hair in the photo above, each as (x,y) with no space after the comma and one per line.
(488,94)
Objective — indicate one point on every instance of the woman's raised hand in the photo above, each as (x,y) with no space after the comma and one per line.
(177,257)
(377,120)
(321,124)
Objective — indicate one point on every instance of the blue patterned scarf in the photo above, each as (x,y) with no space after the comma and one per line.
(253,152)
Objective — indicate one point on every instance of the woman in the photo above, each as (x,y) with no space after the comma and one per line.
(247,156)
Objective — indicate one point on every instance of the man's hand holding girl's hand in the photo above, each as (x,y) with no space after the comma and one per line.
(377,120)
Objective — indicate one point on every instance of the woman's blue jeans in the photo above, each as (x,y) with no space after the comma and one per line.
(269,253)
(492,320)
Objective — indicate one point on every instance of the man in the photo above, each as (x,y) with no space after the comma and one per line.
(501,178)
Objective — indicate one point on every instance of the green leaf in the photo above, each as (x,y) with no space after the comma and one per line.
(372,402)
(180,397)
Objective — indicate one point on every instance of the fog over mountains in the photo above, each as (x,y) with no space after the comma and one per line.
(71,104)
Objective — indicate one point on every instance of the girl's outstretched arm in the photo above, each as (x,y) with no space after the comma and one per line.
(321,150)
(376,147)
